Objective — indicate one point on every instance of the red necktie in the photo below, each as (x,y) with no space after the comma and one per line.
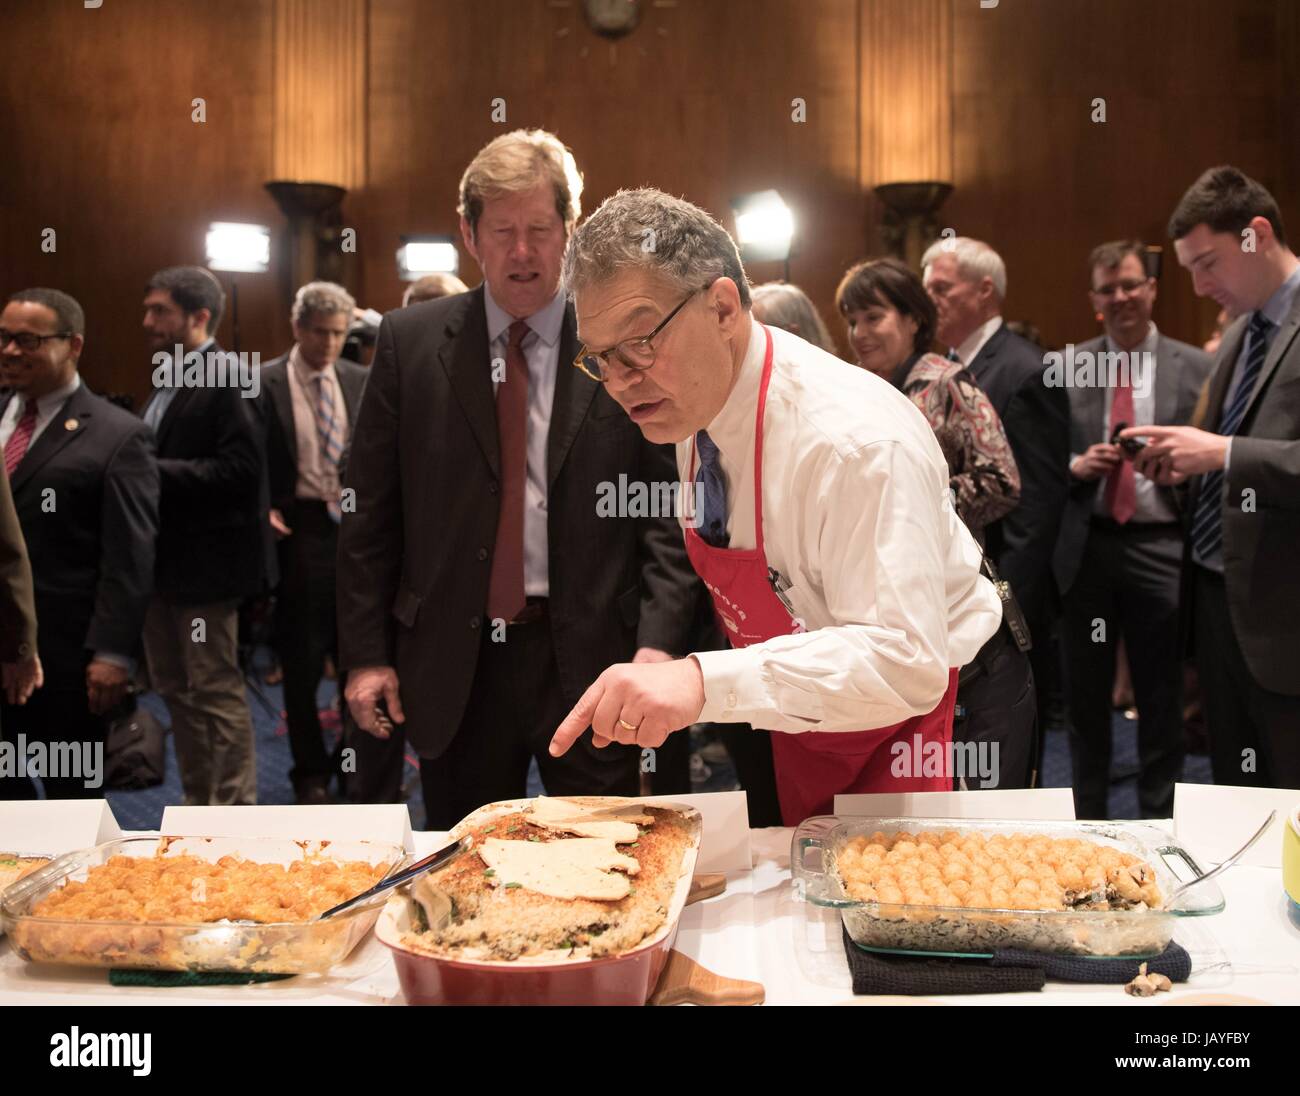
(506,585)
(1121,486)
(21,438)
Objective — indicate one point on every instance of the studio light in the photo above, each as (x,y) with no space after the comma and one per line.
(239,248)
(764,227)
(421,255)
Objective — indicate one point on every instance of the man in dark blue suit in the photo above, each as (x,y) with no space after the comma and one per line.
(85,486)
(967,280)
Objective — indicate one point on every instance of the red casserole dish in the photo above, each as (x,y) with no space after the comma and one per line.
(627,979)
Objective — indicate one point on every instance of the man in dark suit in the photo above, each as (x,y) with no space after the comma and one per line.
(309,402)
(477,575)
(211,538)
(968,282)
(85,486)
(1119,555)
(1241,583)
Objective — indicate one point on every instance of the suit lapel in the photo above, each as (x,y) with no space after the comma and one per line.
(464,358)
(55,436)
(1281,344)
(352,384)
(1229,351)
(282,401)
(574,391)
(990,349)
(1168,381)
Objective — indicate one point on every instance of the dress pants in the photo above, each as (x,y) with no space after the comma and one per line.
(306,631)
(514,708)
(1128,579)
(57,715)
(1241,715)
(997,705)
(203,687)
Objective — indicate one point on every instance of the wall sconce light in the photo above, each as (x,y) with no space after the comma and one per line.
(421,255)
(764,228)
(911,218)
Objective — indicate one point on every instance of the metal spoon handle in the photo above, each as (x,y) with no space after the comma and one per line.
(1225,865)
(435,860)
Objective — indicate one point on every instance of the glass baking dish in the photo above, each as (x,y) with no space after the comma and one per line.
(959,931)
(270,947)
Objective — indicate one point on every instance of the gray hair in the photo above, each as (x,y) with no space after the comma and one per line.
(322,299)
(975,260)
(651,230)
(68,314)
(779,304)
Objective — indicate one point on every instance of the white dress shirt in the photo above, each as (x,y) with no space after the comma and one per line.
(542,350)
(858,518)
(1150,503)
(974,342)
(47,406)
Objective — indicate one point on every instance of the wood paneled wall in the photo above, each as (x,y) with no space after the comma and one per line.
(95,116)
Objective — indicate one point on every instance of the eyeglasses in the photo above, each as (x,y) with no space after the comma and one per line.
(636,353)
(1129,285)
(28,340)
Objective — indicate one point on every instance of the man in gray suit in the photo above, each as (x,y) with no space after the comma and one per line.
(1242,586)
(308,403)
(1119,554)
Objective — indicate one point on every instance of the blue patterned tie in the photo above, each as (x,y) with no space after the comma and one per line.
(329,427)
(1207,523)
(712,493)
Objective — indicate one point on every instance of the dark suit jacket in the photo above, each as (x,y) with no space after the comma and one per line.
(17,599)
(91,541)
(275,404)
(1260,543)
(1180,374)
(1037,421)
(212,537)
(415,557)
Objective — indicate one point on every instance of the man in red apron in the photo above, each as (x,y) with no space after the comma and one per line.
(849,589)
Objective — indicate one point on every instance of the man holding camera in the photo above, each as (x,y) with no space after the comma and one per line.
(1119,555)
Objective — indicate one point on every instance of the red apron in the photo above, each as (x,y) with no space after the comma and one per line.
(814,766)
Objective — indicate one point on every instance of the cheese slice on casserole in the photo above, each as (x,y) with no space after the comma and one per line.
(578,867)
(551,810)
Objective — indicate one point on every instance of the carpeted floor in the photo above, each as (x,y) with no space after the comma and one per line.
(142,810)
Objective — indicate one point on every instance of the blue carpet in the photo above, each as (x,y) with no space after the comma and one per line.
(142,810)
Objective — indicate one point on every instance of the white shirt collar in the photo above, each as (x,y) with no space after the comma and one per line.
(732,429)
(545,322)
(974,342)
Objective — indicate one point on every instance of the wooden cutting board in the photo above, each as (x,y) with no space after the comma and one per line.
(705,886)
(685,982)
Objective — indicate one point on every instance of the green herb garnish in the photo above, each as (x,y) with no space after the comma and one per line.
(511,886)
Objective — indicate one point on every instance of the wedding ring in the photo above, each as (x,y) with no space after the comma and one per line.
(626,725)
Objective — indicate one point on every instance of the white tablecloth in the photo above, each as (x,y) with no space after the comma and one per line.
(757,931)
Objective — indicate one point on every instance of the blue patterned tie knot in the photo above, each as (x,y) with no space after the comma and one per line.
(711,505)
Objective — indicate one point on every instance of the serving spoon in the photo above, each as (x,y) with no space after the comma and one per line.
(1180,891)
(433,862)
